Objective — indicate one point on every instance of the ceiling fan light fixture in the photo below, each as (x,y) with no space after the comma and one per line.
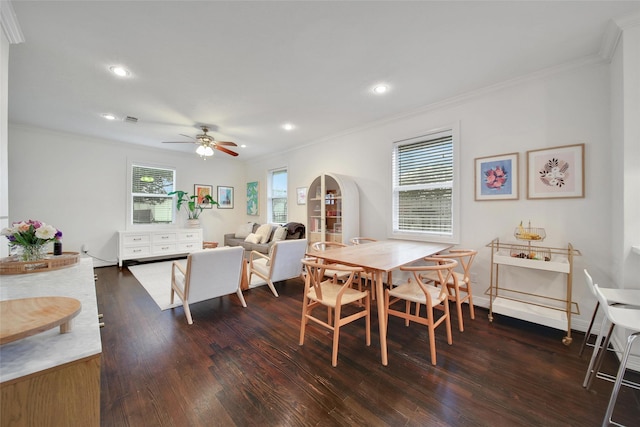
(208,151)
(200,150)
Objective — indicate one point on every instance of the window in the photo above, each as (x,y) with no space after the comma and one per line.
(277,196)
(150,203)
(425,187)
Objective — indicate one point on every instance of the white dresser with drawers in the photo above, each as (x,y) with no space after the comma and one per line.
(152,244)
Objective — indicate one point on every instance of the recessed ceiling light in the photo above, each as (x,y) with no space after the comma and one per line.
(380,89)
(109,116)
(288,126)
(119,71)
(243,146)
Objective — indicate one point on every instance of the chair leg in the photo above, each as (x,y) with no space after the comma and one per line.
(368,321)
(588,333)
(187,312)
(616,387)
(336,337)
(598,353)
(407,308)
(273,288)
(470,298)
(239,292)
(601,356)
(432,342)
(303,322)
(459,309)
(447,323)
(372,286)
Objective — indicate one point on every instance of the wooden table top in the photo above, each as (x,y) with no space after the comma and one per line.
(383,255)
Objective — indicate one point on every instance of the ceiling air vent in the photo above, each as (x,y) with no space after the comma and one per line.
(130,119)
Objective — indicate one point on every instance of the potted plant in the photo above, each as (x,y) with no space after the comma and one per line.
(191,205)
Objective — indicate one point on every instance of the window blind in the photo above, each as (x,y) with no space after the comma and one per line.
(423,185)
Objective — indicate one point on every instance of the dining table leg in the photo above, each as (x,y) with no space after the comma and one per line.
(382,319)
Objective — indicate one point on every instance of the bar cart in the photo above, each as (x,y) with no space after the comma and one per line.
(525,255)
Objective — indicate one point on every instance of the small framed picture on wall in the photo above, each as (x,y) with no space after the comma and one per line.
(252,198)
(202,191)
(225,197)
(496,177)
(556,173)
(301,193)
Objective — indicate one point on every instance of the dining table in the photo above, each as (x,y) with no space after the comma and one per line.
(380,258)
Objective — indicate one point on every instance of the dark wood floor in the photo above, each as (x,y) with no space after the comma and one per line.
(240,366)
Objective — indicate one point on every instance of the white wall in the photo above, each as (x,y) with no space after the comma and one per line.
(79,185)
(567,107)
(630,266)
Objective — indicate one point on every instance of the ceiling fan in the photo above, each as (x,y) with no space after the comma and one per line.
(206,143)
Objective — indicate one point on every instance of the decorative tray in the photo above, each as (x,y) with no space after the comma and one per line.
(21,318)
(12,264)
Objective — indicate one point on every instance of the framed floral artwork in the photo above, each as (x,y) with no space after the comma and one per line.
(225,197)
(301,193)
(555,173)
(496,177)
(201,191)
(252,198)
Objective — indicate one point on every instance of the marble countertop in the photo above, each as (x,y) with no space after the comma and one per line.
(51,348)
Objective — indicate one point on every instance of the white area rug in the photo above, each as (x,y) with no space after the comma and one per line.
(155,277)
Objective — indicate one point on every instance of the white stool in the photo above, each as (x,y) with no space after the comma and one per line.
(629,297)
(629,319)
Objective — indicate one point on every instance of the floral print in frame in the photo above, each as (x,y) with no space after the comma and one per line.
(496,177)
(556,172)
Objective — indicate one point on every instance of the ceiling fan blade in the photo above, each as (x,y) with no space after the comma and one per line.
(178,142)
(188,136)
(224,150)
(226,143)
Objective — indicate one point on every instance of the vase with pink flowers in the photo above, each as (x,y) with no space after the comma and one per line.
(31,238)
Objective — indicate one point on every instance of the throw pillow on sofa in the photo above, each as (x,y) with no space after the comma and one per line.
(264,232)
(279,234)
(244,230)
(252,238)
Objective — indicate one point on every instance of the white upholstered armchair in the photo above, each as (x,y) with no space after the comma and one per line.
(209,274)
(284,262)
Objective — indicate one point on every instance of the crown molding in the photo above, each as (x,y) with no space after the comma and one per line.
(610,40)
(628,21)
(9,23)
(613,33)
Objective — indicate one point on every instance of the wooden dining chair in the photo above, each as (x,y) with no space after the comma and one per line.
(362,240)
(341,275)
(320,291)
(459,291)
(366,276)
(421,291)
